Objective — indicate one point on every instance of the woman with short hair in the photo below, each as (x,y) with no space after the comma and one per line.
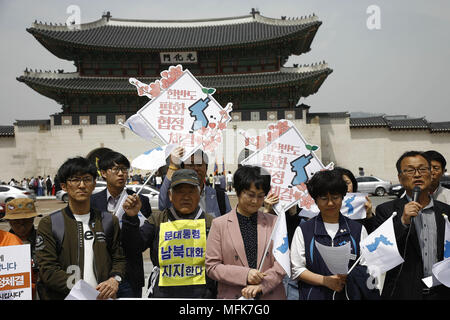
(329,228)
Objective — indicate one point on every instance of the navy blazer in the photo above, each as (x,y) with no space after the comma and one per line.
(405,280)
(135,263)
(99,201)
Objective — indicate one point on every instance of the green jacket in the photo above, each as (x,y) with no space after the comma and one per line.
(54,261)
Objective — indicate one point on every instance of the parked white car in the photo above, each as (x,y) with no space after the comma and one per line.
(8,193)
(151,193)
(63,196)
(373,185)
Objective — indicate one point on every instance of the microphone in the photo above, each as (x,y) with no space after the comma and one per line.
(416,193)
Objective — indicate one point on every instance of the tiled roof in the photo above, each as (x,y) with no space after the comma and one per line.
(407,124)
(6,131)
(75,83)
(32,123)
(367,122)
(188,34)
(440,126)
(399,123)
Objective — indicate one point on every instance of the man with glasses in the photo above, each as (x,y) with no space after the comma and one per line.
(79,242)
(438,164)
(114,168)
(419,229)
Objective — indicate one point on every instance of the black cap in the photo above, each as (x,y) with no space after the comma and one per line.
(185,176)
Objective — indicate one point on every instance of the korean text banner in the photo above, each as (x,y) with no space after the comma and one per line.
(182,248)
(178,113)
(15,273)
(290,164)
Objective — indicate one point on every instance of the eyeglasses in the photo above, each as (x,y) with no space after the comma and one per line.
(412,171)
(77,181)
(253,196)
(116,170)
(333,198)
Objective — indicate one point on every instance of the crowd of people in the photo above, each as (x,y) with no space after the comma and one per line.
(41,186)
(226,245)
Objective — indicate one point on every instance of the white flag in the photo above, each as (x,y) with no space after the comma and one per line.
(119,212)
(280,238)
(153,159)
(447,238)
(441,269)
(136,124)
(379,250)
(352,207)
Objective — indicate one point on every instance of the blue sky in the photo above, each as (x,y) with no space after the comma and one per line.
(400,69)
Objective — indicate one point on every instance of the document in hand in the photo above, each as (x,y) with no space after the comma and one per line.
(336,258)
(82,291)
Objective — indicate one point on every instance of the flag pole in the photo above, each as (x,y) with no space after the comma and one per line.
(151,175)
(354,265)
(271,237)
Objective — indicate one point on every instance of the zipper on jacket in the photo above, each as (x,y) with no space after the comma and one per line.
(80,238)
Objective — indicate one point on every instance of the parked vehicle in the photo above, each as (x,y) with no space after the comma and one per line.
(151,193)
(63,196)
(396,190)
(373,185)
(8,193)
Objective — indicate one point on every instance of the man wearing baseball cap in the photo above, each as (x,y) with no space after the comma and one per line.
(184,194)
(20,214)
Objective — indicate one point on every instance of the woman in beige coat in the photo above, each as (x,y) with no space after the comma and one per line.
(237,241)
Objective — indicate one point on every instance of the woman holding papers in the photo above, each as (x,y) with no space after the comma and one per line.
(326,246)
(237,241)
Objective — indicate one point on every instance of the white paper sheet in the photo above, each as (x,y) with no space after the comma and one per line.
(336,258)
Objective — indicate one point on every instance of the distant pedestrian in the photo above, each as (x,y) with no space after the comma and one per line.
(49,184)
(229,181)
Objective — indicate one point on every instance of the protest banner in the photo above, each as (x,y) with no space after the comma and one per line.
(290,160)
(15,273)
(182,111)
(182,249)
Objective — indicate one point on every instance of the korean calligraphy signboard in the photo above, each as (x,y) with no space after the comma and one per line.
(15,273)
(178,57)
(182,249)
(289,160)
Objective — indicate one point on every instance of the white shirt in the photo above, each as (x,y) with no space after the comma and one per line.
(229,177)
(88,238)
(298,259)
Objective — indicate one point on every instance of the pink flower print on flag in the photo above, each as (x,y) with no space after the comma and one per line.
(155,88)
(169,76)
(306,201)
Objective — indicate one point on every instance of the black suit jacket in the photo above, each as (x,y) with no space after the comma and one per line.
(405,280)
(99,201)
(135,264)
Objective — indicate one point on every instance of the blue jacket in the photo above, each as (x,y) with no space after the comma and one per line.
(212,205)
(314,230)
